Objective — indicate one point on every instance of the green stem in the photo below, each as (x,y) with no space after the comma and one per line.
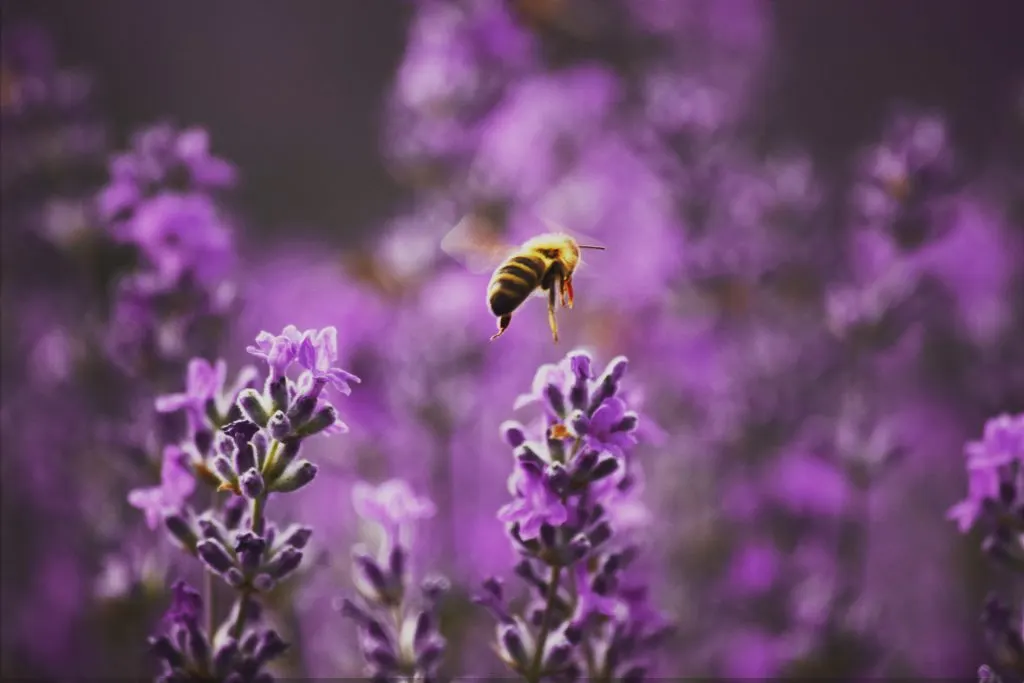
(240,612)
(534,674)
(258,504)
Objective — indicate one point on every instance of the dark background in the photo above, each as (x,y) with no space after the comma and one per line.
(292,91)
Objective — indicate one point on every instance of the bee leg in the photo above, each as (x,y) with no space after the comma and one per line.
(567,296)
(503,322)
(551,313)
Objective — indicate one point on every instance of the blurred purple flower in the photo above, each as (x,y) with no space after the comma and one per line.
(162,158)
(176,485)
(393,505)
(179,235)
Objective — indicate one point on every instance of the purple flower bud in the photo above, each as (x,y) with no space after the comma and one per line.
(234,509)
(547,535)
(284,563)
(234,577)
(528,457)
(181,531)
(260,446)
(579,423)
(512,645)
(212,529)
(375,631)
(555,400)
(295,477)
(606,389)
(370,577)
(198,645)
(285,455)
(224,656)
(628,423)
(524,570)
(214,555)
(278,391)
(302,409)
(203,440)
(558,478)
(583,463)
(297,536)
(251,484)
(604,468)
(324,418)
(270,647)
(264,583)
(351,610)
(251,404)
(577,549)
(617,367)
(241,431)
(250,642)
(492,585)
(580,363)
(396,563)
(423,629)
(250,548)
(513,434)
(279,426)
(573,633)
(224,469)
(245,459)
(558,655)
(382,657)
(162,647)
(224,444)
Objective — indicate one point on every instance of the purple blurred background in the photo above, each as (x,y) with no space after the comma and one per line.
(814,214)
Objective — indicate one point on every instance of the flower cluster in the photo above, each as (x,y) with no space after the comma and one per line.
(398,635)
(245,442)
(995,502)
(588,617)
(159,204)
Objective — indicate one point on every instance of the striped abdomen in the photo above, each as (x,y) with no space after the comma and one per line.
(514,281)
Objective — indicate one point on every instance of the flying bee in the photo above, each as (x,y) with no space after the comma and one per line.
(543,264)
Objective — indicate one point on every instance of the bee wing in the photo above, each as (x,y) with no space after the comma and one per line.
(474,242)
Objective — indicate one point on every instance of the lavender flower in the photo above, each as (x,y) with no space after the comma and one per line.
(994,467)
(253,455)
(187,653)
(398,636)
(176,484)
(589,617)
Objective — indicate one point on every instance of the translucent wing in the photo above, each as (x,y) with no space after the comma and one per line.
(475,243)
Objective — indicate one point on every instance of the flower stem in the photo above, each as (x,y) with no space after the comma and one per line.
(240,614)
(258,504)
(534,674)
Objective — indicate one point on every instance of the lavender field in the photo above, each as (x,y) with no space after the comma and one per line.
(253,426)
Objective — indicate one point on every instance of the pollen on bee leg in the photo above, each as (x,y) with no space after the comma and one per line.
(228,486)
(567,292)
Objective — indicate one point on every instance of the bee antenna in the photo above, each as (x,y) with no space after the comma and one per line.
(590,246)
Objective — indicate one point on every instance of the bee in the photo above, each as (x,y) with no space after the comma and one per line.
(543,264)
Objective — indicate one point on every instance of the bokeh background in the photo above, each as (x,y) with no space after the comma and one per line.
(813,214)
